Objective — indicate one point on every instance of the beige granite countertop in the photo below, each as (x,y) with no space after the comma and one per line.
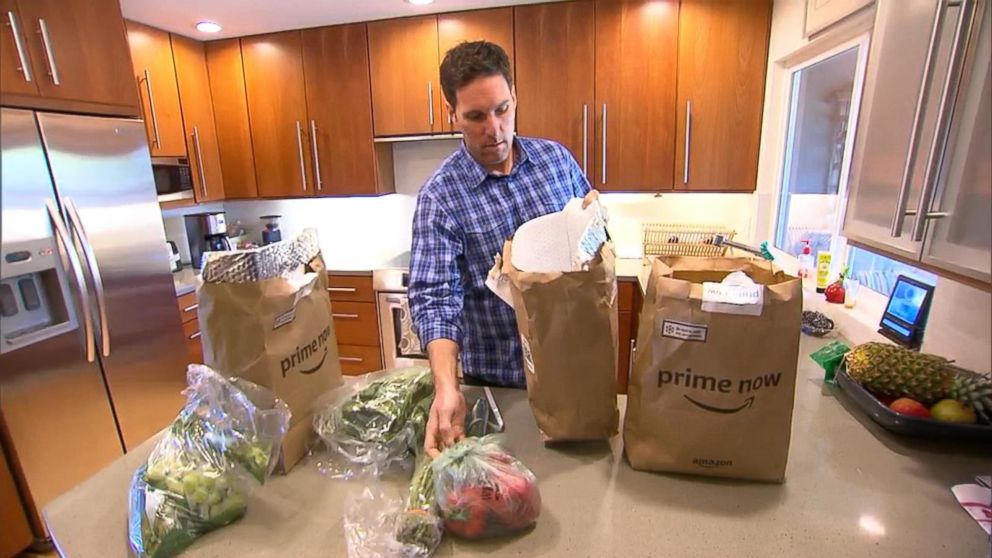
(852,490)
(185,280)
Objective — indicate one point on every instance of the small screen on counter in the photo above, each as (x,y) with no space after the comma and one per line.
(906,313)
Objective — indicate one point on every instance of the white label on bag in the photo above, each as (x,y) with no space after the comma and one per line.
(284,318)
(683,331)
(736,294)
(528,357)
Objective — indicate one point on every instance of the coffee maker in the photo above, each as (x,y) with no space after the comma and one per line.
(206,232)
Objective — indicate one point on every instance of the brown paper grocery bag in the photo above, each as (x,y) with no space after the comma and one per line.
(276,332)
(568,329)
(713,384)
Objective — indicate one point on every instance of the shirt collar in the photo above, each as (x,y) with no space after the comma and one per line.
(476,174)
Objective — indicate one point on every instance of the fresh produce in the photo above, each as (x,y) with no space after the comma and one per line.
(381,422)
(419,525)
(198,476)
(835,291)
(892,371)
(911,407)
(950,410)
(483,491)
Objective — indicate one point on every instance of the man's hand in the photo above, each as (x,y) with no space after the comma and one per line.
(446,422)
(592,196)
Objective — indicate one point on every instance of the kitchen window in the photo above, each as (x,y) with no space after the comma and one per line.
(879,273)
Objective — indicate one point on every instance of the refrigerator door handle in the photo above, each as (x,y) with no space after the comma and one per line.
(101,298)
(62,237)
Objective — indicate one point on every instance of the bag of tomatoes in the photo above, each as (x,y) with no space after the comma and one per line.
(483,491)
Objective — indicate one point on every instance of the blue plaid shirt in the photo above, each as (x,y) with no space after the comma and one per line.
(463,216)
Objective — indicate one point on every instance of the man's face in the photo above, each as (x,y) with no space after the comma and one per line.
(484,113)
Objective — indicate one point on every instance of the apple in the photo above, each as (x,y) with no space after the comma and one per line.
(911,407)
(950,410)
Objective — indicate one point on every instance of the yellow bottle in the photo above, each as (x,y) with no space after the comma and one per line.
(822,271)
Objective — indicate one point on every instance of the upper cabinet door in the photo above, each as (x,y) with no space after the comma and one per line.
(555,52)
(277,109)
(723,50)
(636,68)
(227,91)
(80,50)
(336,65)
(406,91)
(17,75)
(198,118)
(495,26)
(155,78)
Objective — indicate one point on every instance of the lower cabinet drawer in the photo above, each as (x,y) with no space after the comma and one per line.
(356,323)
(191,331)
(356,359)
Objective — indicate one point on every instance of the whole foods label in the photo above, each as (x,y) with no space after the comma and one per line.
(284,318)
(684,331)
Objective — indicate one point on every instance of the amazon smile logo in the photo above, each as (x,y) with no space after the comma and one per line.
(713,384)
(305,353)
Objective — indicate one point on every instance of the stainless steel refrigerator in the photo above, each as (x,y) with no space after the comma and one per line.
(92,359)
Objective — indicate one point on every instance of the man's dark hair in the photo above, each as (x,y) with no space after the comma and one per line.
(466,62)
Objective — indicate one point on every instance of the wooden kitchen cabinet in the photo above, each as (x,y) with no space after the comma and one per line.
(636,69)
(723,50)
(155,79)
(277,111)
(77,54)
(495,26)
(230,107)
(406,90)
(198,118)
(555,57)
(17,74)
(17,534)
(628,309)
(346,161)
(191,331)
(354,310)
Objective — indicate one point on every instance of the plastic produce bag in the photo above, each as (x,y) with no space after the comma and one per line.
(419,526)
(370,522)
(376,423)
(483,491)
(198,476)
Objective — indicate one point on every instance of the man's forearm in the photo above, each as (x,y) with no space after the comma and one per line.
(443,354)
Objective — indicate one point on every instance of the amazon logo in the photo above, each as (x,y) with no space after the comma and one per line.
(305,353)
(705,383)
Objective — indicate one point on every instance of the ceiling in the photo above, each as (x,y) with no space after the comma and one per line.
(250,17)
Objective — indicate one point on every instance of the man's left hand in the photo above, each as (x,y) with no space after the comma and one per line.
(592,196)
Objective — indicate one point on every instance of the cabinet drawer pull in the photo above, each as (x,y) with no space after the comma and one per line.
(351,359)
(688,141)
(345,316)
(195,335)
(342,289)
(199,161)
(299,145)
(21,57)
(316,156)
(430,102)
(53,69)
(585,140)
(191,307)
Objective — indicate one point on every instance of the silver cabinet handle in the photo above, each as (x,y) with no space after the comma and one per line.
(604,143)
(19,45)
(316,156)
(53,69)
(342,289)
(199,161)
(101,298)
(945,116)
(191,307)
(688,140)
(195,335)
(351,359)
(62,237)
(630,357)
(585,140)
(151,109)
(430,102)
(345,316)
(303,164)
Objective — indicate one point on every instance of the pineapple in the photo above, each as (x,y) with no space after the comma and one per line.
(897,372)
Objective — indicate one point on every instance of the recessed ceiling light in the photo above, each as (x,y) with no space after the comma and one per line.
(420,2)
(208,27)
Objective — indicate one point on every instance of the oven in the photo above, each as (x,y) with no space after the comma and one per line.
(400,343)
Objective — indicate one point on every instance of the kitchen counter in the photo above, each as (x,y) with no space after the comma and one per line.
(185,280)
(852,489)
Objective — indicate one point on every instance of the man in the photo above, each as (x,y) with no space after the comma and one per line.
(494,183)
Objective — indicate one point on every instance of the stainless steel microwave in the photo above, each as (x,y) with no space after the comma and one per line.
(173,178)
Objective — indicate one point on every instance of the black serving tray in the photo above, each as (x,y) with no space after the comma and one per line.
(907,425)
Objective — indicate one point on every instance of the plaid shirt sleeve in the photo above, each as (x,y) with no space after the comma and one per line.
(435,291)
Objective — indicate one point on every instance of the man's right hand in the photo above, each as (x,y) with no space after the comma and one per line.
(446,422)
